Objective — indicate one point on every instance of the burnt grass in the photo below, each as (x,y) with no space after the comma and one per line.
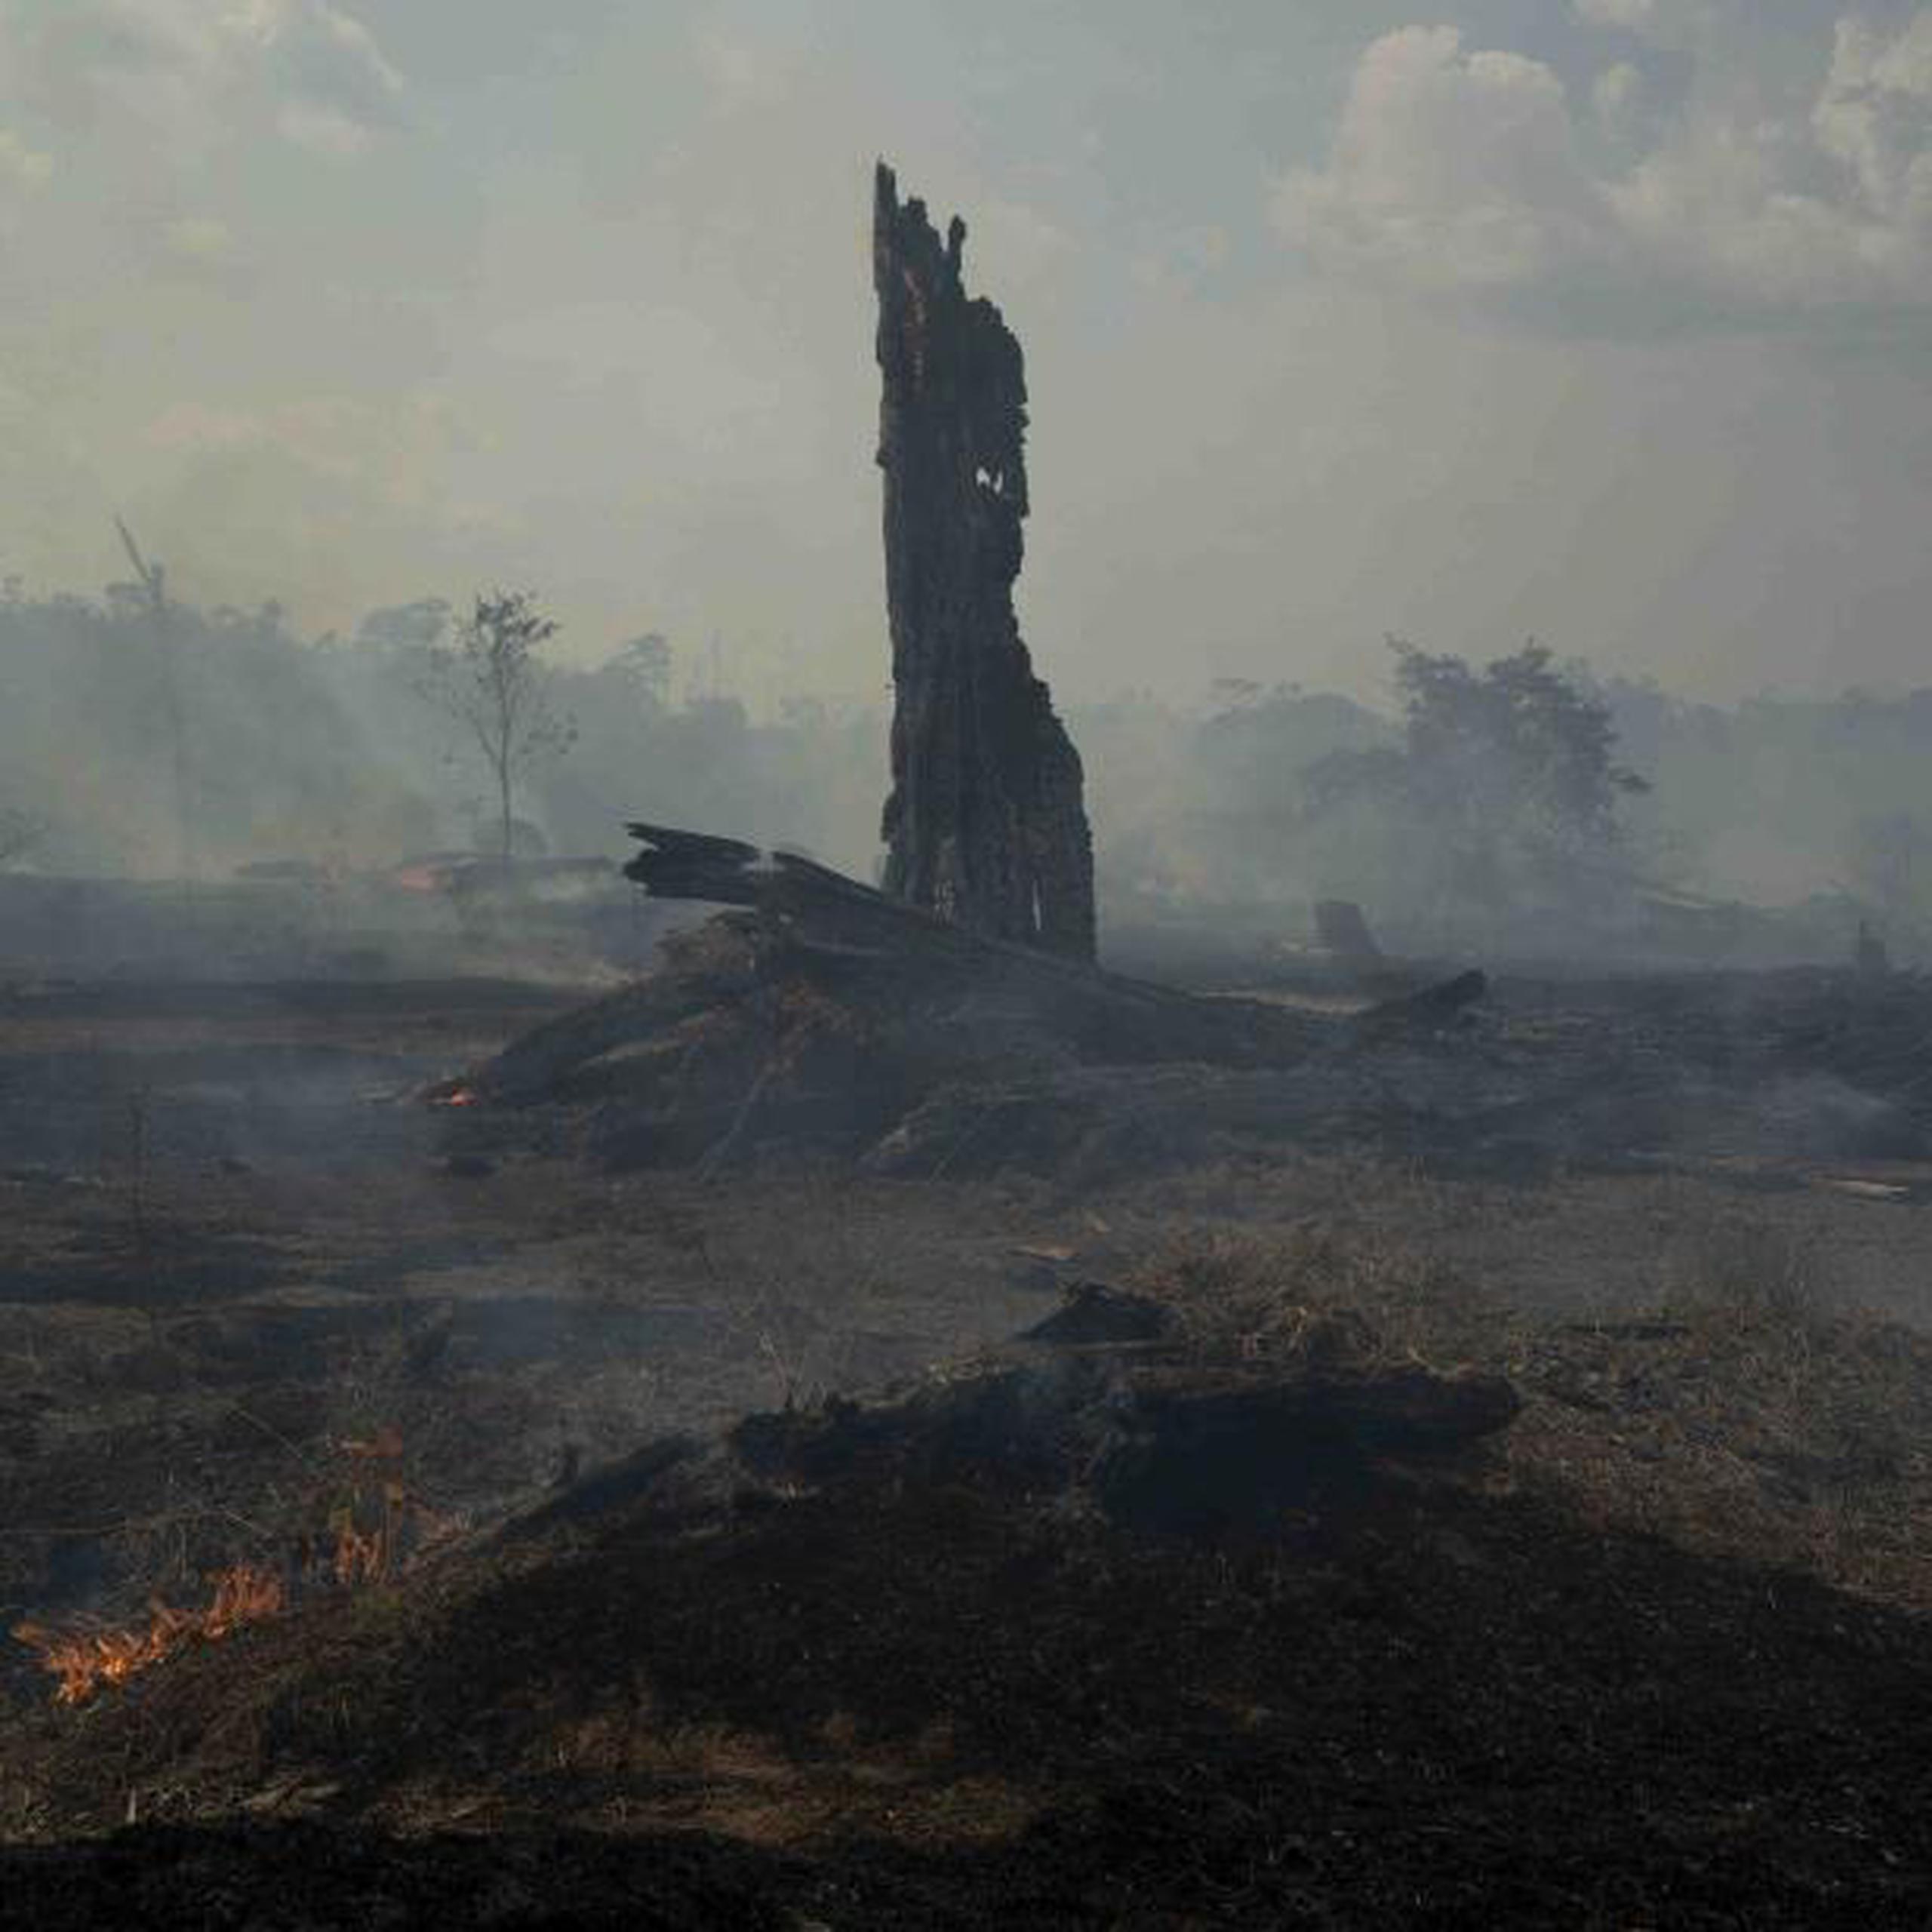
(910,1664)
(1647,1648)
(1443,1709)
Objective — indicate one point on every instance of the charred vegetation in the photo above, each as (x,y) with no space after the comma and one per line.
(763,1399)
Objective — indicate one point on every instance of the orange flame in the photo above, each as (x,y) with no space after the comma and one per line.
(461,1096)
(376,1525)
(85,1660)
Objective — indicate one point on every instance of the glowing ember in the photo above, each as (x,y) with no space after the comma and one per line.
(85,1660)
(461,1096)
(373,1526)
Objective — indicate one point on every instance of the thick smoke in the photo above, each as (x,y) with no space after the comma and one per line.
(326,754)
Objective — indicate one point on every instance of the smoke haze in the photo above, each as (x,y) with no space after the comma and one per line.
(1601,322)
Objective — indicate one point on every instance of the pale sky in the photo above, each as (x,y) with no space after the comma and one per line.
(1607,320)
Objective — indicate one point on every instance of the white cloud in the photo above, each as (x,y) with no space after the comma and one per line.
(1450,167)
(1875,114)
(186,71)
(1455,170)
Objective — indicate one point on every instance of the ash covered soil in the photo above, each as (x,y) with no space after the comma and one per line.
(1179,1617)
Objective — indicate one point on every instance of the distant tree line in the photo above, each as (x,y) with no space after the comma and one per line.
(420,731)
(1480,799)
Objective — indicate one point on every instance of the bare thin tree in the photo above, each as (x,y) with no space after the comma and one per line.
(494,683)
(154,587)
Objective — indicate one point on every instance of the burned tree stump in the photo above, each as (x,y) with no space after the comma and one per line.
(985,824)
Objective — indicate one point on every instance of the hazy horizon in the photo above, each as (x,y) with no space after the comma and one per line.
(1600,321)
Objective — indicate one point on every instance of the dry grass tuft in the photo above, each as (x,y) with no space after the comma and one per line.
(1751,1410)
(1321,1297)
(1754,1410)
(1742,1274)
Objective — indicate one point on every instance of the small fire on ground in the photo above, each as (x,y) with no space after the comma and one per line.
(374,1523)
(85,1661)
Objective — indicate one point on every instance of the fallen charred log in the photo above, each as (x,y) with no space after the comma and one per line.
(833,929)
(822,1016)
(821,1013)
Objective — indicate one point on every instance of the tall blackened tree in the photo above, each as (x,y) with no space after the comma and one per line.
(986,822)
(494,683)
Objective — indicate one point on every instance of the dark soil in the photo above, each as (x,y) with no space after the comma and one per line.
(1655,1653)
(1445,1712)
(936,1685)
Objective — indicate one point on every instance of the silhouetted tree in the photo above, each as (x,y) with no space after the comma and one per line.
(1507,776)
(494,683)
(1518,745)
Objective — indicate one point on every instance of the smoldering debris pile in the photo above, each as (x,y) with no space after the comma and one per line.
(1156,1440)
(820,1018)
(827,1018)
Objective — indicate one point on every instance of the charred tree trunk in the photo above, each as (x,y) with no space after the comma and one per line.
(985,825)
